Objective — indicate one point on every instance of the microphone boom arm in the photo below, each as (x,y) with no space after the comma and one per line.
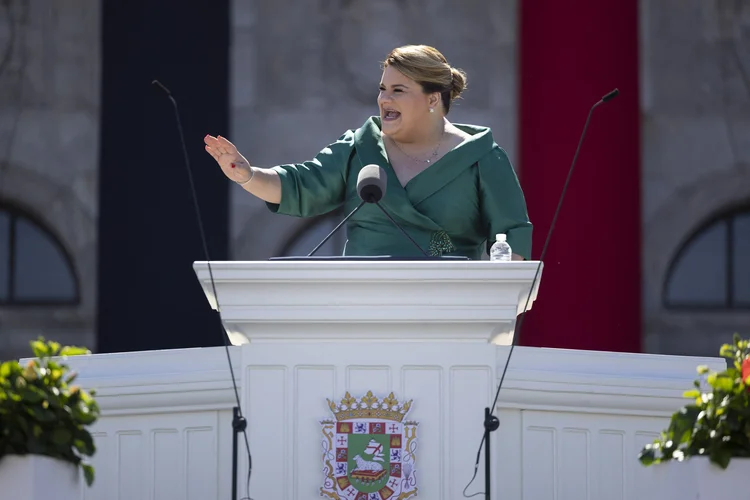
(491,422)
(239,422)
(336,229)
(401,229)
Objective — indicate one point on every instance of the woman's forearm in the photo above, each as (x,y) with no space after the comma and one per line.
(264,183)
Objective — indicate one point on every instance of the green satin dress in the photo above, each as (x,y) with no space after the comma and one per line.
(454,207)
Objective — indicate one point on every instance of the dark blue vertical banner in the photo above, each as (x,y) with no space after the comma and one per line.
(148,295)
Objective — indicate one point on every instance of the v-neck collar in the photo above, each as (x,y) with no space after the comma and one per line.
(371,149)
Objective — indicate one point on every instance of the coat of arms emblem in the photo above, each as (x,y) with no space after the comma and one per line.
(369,450)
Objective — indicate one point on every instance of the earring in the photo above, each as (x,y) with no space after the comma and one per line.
(432,110)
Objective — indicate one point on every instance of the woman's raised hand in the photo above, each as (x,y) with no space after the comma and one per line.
(232,163)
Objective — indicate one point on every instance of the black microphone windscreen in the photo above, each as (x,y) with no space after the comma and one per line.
(611,95)
(371,183)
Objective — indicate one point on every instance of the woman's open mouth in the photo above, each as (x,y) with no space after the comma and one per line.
(390,115)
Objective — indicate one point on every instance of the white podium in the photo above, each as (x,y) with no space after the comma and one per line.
(373,301)
(313,333)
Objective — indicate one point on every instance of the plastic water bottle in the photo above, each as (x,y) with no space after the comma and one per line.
(500,251)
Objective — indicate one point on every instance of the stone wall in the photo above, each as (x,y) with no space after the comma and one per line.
(49,114)
(695,62)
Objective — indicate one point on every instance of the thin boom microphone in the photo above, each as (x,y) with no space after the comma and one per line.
(336,229)
(239,423)
(611,95)
(516,336)
(491,422)
(402,229)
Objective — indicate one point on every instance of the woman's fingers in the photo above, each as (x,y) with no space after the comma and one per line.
(225,143)
(220,145)
(213,153)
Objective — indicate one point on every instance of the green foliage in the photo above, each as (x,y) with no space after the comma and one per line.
(716,423)
(42,413)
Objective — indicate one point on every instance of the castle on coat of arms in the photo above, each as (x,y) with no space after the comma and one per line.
(369,450)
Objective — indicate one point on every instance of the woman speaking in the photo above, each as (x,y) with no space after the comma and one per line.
(450,186)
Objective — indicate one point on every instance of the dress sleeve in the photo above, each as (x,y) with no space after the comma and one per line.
(503,204)
(317,186)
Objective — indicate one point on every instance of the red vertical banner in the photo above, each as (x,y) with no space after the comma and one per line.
(572,54)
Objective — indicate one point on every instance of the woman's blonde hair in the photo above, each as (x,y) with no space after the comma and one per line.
(429,68)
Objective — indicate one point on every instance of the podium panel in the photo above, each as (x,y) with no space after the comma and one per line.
(287,388)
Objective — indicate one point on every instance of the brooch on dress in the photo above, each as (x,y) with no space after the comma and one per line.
(440,243)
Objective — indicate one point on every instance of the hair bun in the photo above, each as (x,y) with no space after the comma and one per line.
(458,84)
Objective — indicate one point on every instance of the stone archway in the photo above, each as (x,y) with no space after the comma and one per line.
(687,209)
(75,227)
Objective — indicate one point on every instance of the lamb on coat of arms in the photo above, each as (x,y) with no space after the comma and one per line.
(376,450)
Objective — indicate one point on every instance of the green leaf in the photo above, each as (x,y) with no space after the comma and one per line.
(74,351)
(32,395)
(88,473)
(720,382)
(85,443)
(39,348)
(61,436)
(647,456)
(721,457)
(724,383)
(727,351)
(692,394)
(22,424)
(53,348)
(84,416)
(702,369)
(43,415)
(7,368)
(682,423)
(56,374)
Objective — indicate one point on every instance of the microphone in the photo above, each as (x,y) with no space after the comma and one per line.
(491,422)
(371,183)
(371,186)
(610,96)
(239,423)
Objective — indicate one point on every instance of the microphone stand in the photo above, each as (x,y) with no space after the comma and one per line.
(336,229)
(239,422)
(491,422)
(401,228)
